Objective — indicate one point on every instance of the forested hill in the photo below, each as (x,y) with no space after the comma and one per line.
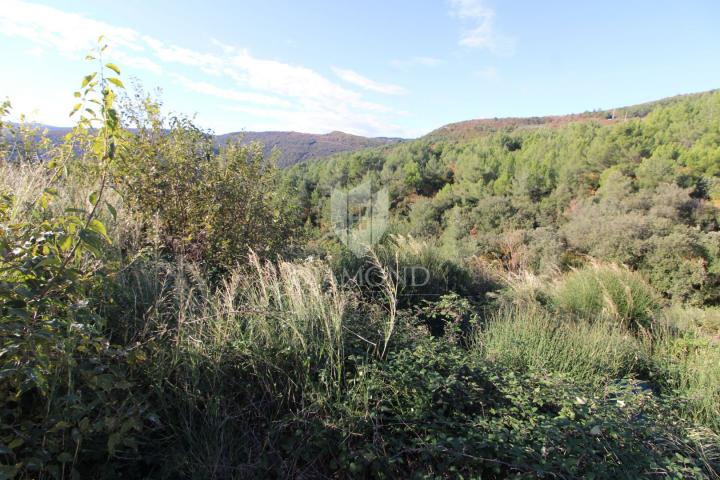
(471,128)
(641,189)
(292,147)
(296,147)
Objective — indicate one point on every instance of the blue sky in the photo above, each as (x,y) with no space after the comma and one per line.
(392,67)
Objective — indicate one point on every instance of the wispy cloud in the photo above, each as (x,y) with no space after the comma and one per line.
(480,30)
(69,33)
(365,83)
(417,61)
(137,61)
(229,94)
(291,96)
(174,54)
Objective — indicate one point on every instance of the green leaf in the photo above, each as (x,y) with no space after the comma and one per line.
(75,109)
(74,210)
(113,441)
(116,82)
(16,443)
(112,210)
(87,79)
(92,242)
(8,471)
(66,244)
(92,198)
(97,226)
(113,67)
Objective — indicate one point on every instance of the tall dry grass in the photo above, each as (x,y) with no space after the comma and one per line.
(269,340)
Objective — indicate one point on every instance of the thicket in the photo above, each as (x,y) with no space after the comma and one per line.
(171,310)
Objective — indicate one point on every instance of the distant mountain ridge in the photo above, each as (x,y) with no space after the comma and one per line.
(296,147)
(293,147)
(468,129)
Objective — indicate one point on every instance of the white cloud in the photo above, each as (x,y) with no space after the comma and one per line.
(35,51)
(480,30)
(229,94)
(137,62)
(50,105)
(208,63)
(301,83)
(70,33)
(302,97)
(365,83)
(227,49)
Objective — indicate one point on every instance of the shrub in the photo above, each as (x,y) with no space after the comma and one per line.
(67,402)
(702,320)
(205,206)
(606,292)
(432,410)
(450,316)
(545,250)
(442,274)
(421,271)
(232,365)
(677,267)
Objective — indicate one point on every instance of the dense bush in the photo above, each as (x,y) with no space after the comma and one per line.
(67,402)
(421,272)
(434,410)
(686,365)
(614,192)
(205,206)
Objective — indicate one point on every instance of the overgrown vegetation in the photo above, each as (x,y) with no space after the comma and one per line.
(173,310)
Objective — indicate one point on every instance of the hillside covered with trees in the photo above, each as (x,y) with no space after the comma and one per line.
(545,194)
(171,309)
(289,147)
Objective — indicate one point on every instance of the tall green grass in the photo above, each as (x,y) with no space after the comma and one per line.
(702,320)
(530,338)
(687,366)
(606,292)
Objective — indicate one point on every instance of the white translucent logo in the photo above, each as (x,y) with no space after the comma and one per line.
(359,217)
